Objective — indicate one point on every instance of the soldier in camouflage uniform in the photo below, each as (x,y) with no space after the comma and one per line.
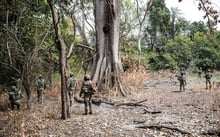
(200,73)
(182,79)
(87,91)
(208,77)
(41,85)
(71,87)
(15,97)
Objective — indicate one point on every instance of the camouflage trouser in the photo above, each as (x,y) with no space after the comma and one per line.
(182,85)
(88,103)
(208,83)
(70,94)
(15,103)
(40,95)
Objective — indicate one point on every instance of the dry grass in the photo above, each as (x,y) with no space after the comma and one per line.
(52,113)
(135,77)
(54,92)
(4,103)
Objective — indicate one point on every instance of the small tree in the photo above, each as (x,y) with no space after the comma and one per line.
(61,46)
(23,36)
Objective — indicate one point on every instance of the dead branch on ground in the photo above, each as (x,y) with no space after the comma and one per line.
(161,127)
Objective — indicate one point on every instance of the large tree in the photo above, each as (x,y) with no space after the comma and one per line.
(107,66)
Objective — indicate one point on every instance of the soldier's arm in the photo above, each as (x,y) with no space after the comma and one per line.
(94,87)
(80,94)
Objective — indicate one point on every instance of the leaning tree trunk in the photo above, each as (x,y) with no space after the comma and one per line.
(61,46)
(27,88)
(107,66)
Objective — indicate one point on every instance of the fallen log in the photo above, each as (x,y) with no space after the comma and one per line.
(96,101)
(151,112)
(160,127)
(132,104)
(99,101)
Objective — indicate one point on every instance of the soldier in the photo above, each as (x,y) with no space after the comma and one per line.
(200,72)
(71,87)
(87,90)
(182,79)
(15,97)
(208,77)
(41,85)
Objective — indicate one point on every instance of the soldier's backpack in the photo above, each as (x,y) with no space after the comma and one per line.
(17,95)
(72,82)
(40,83)
(87,85)
(179,77)
(208,76)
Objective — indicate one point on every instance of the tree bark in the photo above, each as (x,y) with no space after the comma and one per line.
(107,66)
(26,85)
(62,60)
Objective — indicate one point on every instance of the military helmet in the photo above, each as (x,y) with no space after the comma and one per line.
(71,74)
(182,72)
(13,87)
(87,77)
(208,70)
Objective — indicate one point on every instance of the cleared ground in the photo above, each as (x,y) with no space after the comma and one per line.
(153,109)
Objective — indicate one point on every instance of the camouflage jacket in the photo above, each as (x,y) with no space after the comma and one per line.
(71,83)
(15,95)
(208,75)
(41,84)
(87,88)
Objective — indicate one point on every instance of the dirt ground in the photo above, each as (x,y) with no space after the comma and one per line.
(154,109)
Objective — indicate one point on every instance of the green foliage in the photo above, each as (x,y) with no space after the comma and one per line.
(180,50)
(196,27)
(159,18)
(161,61)
(205,50)
(202,51)
(25,26)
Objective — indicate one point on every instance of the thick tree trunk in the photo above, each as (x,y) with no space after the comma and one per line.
(62,60)
(107,66)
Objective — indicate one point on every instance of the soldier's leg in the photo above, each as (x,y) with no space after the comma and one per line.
(180,85)
(206,83)
(86,102)
(12,104)
(209,81)
(184,84)
(90,104)
(70,97)
(17,103)
(38,95)
(41,95)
